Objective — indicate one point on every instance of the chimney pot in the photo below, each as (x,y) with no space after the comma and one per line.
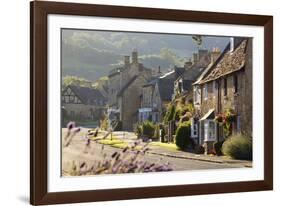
(134,56)
(195,58)
(215,53)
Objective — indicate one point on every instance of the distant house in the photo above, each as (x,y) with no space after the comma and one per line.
(145,111)
(225,84)
(125,90)
(82,103)
(188,74)
(156,94)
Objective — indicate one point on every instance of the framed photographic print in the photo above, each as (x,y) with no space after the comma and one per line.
(131,102)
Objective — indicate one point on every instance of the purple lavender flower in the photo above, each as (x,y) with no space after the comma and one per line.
(70,125)
(76,130)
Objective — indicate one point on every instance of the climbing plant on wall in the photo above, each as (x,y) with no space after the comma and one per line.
(226,119)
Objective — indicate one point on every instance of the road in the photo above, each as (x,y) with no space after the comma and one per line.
(76,152)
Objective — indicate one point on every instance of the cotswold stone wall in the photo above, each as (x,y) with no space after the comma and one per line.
(147,92)
(241,101)
(247,119)
(130,102)
(113,88)
(211,101)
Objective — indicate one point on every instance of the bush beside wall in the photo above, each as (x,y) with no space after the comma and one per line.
(182,138)
(238,147)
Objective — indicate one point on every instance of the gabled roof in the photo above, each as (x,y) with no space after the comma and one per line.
(166,89)
(227,63)
(187,84)
(167,75)
(123,89)
(151,83)
(115,71)
(179,71)
(203,74)
(87,95)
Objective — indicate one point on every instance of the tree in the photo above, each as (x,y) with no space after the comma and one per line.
(197,39)
(170,114)
(76,81)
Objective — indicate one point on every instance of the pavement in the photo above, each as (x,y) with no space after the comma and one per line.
(200,157)
(158,150)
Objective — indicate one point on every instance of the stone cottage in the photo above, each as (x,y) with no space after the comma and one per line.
(156,94)
(191,71)
(125,89)
(82,103)
(226,84)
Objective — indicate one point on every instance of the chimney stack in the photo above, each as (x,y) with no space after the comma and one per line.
(202,53)
(135,57)
(195,58)
(159,70)
(126,60)
(215,53)
(188,64)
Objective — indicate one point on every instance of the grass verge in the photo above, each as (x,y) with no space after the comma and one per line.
(169,146)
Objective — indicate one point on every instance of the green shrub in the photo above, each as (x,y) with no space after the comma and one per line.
(170,114)
(148,129)
(238,147)
(182,138)
(156,132)
(138,130)
(104,123)
(177,115)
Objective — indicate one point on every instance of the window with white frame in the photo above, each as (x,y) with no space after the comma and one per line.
(194,129)
(209,130)
(197,95)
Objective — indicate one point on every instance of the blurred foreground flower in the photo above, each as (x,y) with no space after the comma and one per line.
(72,130)
(128,160)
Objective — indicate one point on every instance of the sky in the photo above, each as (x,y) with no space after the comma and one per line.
(92,54)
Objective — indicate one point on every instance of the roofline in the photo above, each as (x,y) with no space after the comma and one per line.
(126,85)
(222,56)
(207,69)
(226,74)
